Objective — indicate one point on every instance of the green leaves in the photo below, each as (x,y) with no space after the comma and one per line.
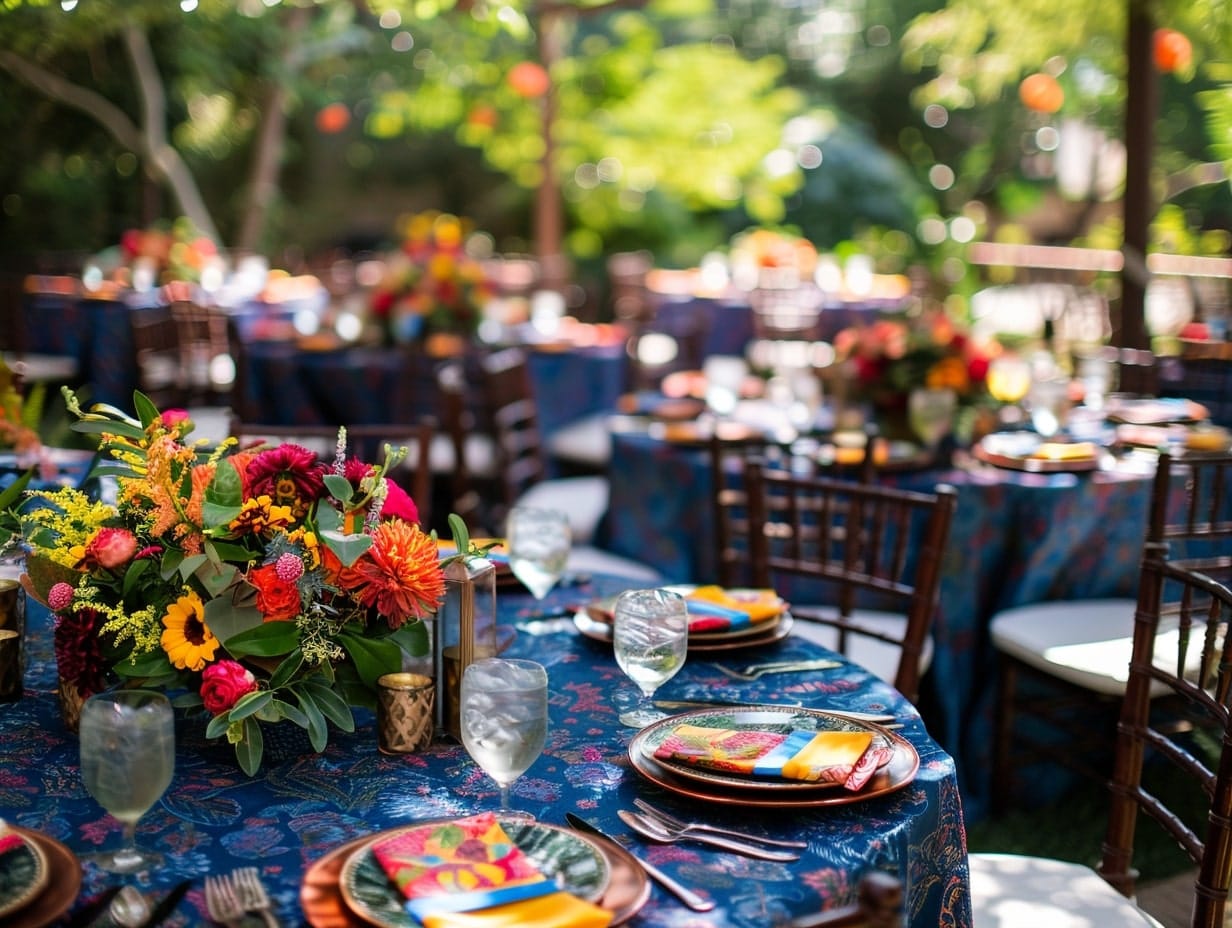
(269,639)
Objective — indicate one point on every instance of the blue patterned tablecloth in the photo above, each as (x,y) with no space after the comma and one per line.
(1016,538)
(214,818)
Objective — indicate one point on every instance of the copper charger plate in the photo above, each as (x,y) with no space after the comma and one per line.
(893,776)
(62,888)
(988,453)
(324,907)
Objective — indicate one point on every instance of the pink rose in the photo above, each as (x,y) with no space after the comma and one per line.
(223,683)
(398,504)
(110,548)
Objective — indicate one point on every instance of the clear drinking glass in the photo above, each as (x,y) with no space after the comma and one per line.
(650,637)
(127,757)
(930,413)
(504,720)
(538,541)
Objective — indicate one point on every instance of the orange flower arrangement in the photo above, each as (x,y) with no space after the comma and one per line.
(229,576)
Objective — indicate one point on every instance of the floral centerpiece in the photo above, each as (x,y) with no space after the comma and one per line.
(432,284)
(257,586)
(19,421)
(894,356)
(758,255)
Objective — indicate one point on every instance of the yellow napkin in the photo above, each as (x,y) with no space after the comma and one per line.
(749,608)
(1065,451)
(557,910)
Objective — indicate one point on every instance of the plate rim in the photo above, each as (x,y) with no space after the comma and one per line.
(773,794)
(56,898)
(353,859)
(42,875)
(600,632)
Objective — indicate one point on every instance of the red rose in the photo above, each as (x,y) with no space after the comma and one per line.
(110,548)
(223,683)
(277,599)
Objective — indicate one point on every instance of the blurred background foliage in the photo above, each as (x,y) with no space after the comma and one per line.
(900,125)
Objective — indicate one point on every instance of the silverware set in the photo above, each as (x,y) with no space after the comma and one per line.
(665,829)
(756,671)
(230,897)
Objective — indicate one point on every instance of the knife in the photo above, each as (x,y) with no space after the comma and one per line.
(167,904)
(683,893)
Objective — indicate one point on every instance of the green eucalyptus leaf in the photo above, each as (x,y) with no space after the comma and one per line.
(412,638)
(146,411)
(218,725)
(250,704)
(332,705)
(248,751)
(226,619)
(290,713)
(347,547)
(287,669)
(372,657)
(318,730)
(339,487)
(268,639)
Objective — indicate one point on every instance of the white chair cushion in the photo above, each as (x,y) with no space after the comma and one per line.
(1011,891)
(586,441)
(583,499)
(587,559)
(875,656)
(1087,642)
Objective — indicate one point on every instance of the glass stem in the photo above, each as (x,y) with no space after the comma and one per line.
(128,855)
(505,789)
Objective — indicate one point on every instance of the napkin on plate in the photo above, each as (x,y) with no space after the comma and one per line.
(714,609)
(836,757)
(469,872)
(10,840)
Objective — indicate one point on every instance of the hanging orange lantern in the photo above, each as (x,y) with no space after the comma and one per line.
(1041,92)
(528,79)
(1172,51)
(333,118)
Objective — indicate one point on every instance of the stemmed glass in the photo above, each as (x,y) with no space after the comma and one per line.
(538,541)
(650,637)
(931,414)
(127,758)
(1009,380)
(504,718)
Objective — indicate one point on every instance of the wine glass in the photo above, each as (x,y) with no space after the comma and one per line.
(538,541)
(931,414)
(650,636)
(127,758)
(504,719)
(1009,381)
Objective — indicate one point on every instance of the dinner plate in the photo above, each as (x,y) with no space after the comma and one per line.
(601,611)
(23,874)
(596,630)
(1014,450)
(324,906)
(715,786)
(58,895)
(562,855)
(1154,411)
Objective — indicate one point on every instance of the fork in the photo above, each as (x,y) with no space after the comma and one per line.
(693,827)
(754,671)
(221,901)
(253,896)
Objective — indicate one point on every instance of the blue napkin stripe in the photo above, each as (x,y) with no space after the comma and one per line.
(424,906)
(771,765)
(738,618)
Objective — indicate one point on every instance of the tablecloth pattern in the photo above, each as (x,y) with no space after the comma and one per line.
(214,818)
(1016,538)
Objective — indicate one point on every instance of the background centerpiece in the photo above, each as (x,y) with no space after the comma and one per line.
(256,586)
(432,285)
(894,357)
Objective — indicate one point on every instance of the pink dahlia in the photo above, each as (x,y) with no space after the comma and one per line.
(290,475)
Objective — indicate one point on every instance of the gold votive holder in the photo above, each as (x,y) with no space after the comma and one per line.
(12,639)
(405,714)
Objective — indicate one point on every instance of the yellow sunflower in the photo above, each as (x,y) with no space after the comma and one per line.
(186,638)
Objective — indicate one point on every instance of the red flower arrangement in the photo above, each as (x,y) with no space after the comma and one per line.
(262,585)
(432,285)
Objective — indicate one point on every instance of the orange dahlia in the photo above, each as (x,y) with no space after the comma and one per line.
(400,574)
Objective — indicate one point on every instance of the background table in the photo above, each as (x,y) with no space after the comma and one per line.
(1016,538)
(214,818)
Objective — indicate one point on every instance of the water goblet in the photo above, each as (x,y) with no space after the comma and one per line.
(1009,380)
(650,637)
(127,757)
(538,541)
(931,414)
(504,718)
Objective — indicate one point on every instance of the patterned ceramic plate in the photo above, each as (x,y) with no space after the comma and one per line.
(600,631)
(900,767)
(577,866)
(23,875)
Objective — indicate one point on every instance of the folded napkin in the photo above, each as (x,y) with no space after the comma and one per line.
(714,609)
(837,757)
(10,840)
(458,866)
(557,910)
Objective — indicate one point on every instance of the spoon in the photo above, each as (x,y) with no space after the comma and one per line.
(129,908)
(655,831)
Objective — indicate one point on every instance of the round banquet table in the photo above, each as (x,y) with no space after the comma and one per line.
(300,808)
(1016,538)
